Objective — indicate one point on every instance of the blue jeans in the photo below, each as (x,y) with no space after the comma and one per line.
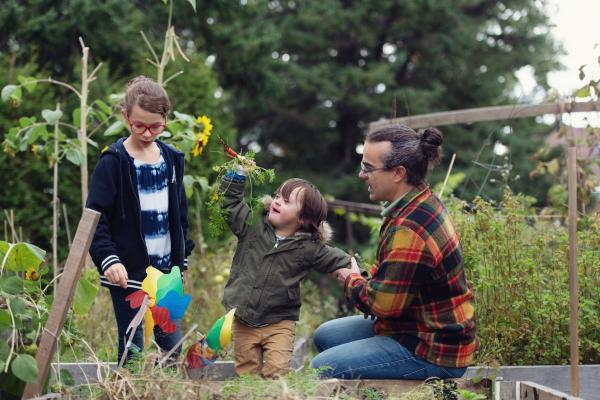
(124,314)
(350,349)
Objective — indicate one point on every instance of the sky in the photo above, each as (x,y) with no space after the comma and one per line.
(576,27)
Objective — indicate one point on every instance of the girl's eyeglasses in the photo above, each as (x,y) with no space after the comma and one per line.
(140,129)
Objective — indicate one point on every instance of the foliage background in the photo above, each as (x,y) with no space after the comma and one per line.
(298,82)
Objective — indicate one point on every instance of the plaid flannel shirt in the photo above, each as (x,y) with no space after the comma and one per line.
(418,290)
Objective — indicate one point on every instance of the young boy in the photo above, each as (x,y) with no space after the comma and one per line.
(138,187)
(272,256)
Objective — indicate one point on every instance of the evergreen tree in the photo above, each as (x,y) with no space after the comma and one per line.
(307,78)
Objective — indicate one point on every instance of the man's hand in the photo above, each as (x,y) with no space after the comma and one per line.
(117,273)
(342,273)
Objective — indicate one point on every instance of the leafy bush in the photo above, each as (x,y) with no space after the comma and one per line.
(517,262)
(25,302)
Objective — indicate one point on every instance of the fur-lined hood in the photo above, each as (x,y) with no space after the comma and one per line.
(325,233)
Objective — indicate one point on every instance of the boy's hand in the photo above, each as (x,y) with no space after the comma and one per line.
(342,273)
(117,273)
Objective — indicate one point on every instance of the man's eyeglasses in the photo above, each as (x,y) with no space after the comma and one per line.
(140,129)
(365,170)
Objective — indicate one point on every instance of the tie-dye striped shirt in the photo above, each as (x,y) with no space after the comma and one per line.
(417,288)
(153,190)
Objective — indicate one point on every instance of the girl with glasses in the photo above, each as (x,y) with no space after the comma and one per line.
(137,186)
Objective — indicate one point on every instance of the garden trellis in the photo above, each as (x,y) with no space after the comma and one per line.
(523,111)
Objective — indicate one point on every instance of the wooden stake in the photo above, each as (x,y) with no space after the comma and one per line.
(62,301)
(447,175)
(67,228)
(573,282)
(83,140)
(55,203)
(12,226)
(349,233)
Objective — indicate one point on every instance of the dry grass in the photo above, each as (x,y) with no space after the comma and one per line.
(153,383)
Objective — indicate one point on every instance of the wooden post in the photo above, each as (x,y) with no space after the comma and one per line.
(485,114)
(82,132)
(349,233)
(62,301)
(447,175)
(349,206)
(55,202)
(573,282)
(67,228)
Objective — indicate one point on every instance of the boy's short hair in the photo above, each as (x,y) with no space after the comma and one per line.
(314,206)
(148,95)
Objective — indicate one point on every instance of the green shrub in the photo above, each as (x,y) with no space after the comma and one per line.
(517,263)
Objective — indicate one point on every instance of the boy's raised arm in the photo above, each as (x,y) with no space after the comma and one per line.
(232,186)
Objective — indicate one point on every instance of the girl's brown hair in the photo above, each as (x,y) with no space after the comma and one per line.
(148,95)
(314,206)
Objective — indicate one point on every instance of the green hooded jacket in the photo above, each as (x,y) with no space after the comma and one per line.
(264,281)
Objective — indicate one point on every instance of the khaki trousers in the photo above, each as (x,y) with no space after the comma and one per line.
(265,351)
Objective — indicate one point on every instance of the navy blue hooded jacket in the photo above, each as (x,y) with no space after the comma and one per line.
(119,237)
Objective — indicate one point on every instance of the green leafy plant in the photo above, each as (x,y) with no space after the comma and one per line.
(468,395)
(23,310)
(516,259)
(255,175)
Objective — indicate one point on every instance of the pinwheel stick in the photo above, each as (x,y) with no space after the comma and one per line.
(166,356)
(135,322)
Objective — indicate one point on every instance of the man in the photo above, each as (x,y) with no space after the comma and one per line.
(423,316)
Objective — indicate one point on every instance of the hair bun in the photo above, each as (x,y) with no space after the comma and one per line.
(431,140)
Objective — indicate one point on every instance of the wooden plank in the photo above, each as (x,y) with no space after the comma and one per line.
(573,282)
(62,301)
(534,391)
(505,390)
(486,114)
(364,208)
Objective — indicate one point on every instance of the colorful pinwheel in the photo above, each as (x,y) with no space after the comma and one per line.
(206,350)
(199,355)
(166,301)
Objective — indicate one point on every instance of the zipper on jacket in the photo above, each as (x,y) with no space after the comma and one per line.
(139,212)
(173,185)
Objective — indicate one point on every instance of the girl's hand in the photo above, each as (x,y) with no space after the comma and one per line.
(117,273)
